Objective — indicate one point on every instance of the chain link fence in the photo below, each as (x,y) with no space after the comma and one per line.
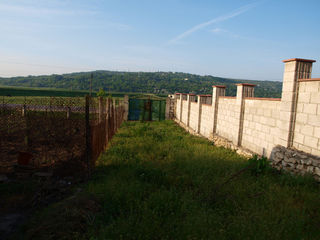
(60,134)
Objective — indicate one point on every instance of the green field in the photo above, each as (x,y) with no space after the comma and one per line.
(21,91)
(53,92)
(158,182)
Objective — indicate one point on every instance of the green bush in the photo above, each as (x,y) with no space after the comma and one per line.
(258,165)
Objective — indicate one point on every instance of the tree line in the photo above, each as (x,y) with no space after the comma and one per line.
(142,82)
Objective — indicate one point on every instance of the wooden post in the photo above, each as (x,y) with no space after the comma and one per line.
(160,110)
(100,109)
(88,136)
(68,112)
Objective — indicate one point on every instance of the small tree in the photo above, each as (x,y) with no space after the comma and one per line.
(101,93)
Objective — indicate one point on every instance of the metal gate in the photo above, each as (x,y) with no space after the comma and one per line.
(146,110)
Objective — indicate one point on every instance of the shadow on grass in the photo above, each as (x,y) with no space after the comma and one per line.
(157,182)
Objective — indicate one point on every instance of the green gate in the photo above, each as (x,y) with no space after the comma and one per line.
(146,109)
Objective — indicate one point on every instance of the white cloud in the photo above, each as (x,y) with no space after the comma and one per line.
(225,32)
(222,18)
(217,30)
(32,10)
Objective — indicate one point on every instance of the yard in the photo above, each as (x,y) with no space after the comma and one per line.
(156,181)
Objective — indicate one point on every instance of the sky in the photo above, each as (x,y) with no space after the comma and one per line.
(243,39)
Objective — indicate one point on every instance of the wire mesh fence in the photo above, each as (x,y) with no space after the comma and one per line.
(52,132)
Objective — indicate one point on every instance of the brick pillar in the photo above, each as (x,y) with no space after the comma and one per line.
(199,111)
(243,90)
(294,69)
(180,114)
(216,93)
(188,110)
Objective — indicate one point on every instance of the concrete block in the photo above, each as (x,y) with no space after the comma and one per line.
(315,97)
(272,122)
(312,86)
(285,116)
(304,97)
(301,118)
(276,113)
(282,142)
(314,120)
(283,125)
(286,96)
(298,137)
(290,66)
(267,112)
(310,108)
(311,142)
(300,107)
(288,82)
(316,132)
(304,148)
(307,130)
(302,87)
(315,152)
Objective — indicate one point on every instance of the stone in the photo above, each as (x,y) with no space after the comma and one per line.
(317,171)
(309,162)
(299,167)
(291,160)
(310,169)
(279,155)
(277,160)
(291,165)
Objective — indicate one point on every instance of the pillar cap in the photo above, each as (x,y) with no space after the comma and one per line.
(219,86)
(299,60)
(246,84)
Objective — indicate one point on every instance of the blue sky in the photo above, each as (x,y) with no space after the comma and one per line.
(231,38)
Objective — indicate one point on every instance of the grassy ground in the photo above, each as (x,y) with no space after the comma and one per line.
(157,182)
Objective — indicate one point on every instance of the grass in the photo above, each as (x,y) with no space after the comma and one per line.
(158,182)
(44,92)
(57,92)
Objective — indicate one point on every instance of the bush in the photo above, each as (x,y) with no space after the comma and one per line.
(258,165)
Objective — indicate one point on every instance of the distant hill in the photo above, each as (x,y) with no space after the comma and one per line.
(146,82)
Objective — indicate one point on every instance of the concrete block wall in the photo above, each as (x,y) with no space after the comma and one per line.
(260,131)
(193,124)
(184,116)
(306,135)
(178,106)
(227,119)
(260,125)
(206,126)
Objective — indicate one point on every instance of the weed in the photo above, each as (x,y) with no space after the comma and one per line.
(258,165)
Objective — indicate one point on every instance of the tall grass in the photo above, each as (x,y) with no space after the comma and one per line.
(157,182)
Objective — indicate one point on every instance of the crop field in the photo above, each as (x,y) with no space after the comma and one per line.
(156,181)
